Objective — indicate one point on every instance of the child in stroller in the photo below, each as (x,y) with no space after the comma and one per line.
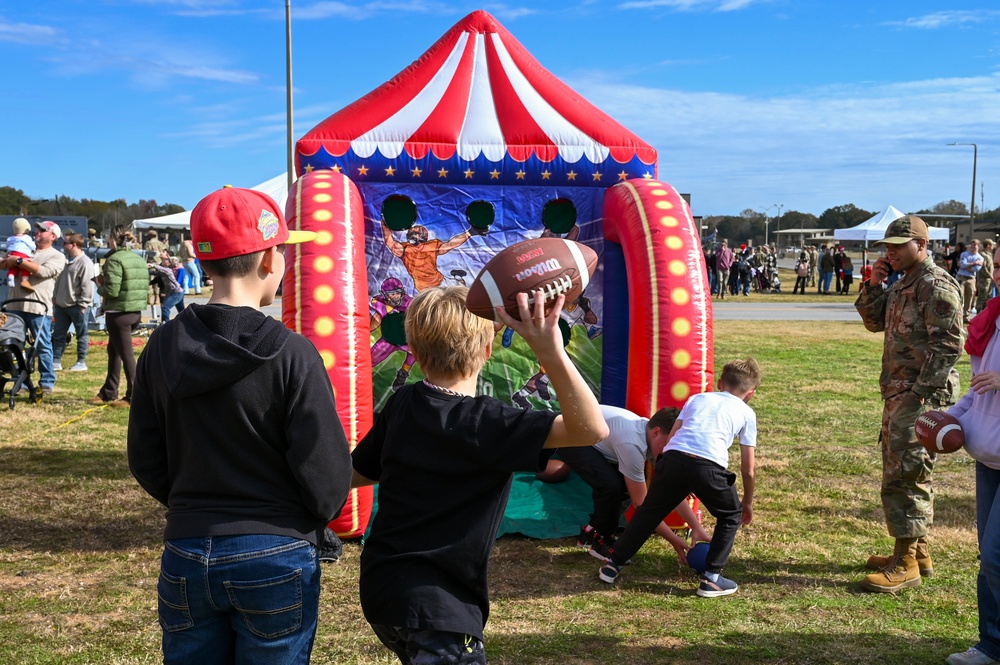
(17,355)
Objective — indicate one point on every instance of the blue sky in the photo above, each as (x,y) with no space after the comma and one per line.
(806,104)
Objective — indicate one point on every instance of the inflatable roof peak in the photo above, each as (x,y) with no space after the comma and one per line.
(476,102)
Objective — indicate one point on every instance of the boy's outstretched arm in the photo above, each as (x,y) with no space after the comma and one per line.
(581,422)
(748,456)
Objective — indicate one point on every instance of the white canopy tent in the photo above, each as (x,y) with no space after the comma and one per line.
(276,188)
(874,228)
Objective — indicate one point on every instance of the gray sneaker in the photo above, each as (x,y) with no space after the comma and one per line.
(720,587)
(57,367)
(971,657)
(79,367)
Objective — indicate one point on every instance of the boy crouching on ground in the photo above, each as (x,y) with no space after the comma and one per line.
(695,461)
(444,460)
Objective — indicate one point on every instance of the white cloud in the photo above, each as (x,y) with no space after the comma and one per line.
(944,19)
(689,5)
(26,33)
(870,144)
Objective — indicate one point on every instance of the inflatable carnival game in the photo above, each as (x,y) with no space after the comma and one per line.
(470,149)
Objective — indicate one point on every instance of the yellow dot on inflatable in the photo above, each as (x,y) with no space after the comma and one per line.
(322,198)
(681,359)
(654,183)
(322,185)
(323,238)
(681,327)
(327,357)
(674,243)
(323,294)
(676,268)
(323,264)
(324,326)
(680,296)
(680,391)
(659,192)
(664,205)
(319,175)
(669,221)
(322,215)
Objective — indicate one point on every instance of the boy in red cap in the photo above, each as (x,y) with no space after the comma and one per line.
(230,429)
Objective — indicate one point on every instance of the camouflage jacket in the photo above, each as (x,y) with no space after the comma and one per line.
(985,274)
(921,315)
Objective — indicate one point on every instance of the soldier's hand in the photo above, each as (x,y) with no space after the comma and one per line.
(880,271)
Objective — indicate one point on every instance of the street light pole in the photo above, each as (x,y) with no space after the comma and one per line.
(972,204)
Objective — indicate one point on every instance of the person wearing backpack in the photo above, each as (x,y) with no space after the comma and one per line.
(801,274)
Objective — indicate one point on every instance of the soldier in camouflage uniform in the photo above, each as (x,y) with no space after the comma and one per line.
(921,315)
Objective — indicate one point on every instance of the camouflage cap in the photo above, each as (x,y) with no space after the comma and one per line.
(903,230)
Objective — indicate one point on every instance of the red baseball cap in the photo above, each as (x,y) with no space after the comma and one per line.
(233,222)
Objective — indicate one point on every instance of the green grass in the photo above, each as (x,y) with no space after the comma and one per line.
(79,542)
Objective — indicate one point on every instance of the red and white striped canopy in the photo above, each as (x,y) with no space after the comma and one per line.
(476,94)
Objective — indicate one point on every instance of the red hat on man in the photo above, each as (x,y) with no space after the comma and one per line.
(233,222)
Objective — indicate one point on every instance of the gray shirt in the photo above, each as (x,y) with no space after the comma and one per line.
(75,286)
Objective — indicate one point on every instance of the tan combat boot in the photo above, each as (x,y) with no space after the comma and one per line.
(920,551)
(901,571)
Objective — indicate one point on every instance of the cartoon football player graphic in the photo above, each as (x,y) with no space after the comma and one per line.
(420,253)
(388,310)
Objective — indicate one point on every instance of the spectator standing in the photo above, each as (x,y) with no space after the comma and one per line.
(153,245)
(171,293)
(813,263)
(979,413)
(72,300)
(969,265)
(826,270)
(723,263)
(954,257)
(713,278)
(921,317)
(93,240)
(802,271)
(234,429)
(847,267)
(192,273)
(123,285)
(984,278)
(44,267)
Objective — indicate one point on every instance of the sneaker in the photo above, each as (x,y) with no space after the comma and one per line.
(720,587)
(601,548)
(971,657)
(79,367)
(57,367)
(47,390)
(120,404)
(586,537)
(609,572)
(331,548)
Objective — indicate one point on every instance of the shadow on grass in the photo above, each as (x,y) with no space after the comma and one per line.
(83,534)
(949,511)
(56,462)
(735,647)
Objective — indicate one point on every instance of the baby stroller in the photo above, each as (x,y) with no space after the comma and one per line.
(17,355)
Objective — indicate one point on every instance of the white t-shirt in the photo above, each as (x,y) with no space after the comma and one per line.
(626,444)
(710,422)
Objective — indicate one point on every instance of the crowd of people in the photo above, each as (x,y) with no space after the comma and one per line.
(92,282)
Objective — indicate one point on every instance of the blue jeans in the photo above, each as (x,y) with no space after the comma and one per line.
(65,317)
(192,275)
(988,581)
(825,279)
(41,326)
(171,301)
(238,599)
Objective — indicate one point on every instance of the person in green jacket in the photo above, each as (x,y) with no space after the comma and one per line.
(122,285)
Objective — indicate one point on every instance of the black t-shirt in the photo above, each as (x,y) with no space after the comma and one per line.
(444,465)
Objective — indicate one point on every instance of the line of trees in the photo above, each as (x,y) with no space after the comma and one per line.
(102,215)
(750,224)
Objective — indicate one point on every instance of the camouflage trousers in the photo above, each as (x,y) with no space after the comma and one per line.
(907,495)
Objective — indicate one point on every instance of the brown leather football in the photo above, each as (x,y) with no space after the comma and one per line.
(554,265)
(939,432)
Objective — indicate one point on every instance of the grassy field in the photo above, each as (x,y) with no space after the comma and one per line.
(79,542)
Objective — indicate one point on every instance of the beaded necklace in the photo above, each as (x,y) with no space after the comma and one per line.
(446,391)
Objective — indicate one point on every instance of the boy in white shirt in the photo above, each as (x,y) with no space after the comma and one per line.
(695,461)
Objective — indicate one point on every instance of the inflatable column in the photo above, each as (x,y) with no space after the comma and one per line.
(325,297)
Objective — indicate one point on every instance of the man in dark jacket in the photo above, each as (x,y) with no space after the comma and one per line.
(233,429)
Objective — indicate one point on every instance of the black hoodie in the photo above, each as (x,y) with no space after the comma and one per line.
(233,427)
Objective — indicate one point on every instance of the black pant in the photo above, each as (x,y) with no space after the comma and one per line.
(120,351)
(800,285)
(606,482)
(431,647)
(675,476)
